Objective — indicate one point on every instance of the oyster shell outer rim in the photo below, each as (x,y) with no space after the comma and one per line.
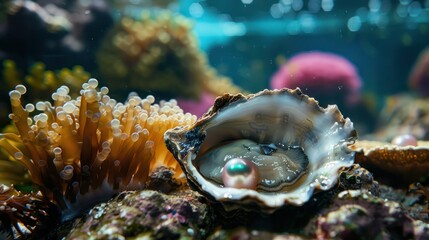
(224,101)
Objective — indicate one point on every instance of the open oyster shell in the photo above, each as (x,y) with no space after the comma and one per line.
(293,144)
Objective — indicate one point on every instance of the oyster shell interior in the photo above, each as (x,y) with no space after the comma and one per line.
(279,166)
(296,145)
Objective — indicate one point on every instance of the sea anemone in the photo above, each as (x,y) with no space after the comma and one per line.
(42,82)
(11,172)
(83,150)
(321,75)
(21,214)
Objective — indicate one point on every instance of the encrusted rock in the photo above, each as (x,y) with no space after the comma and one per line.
(148,214)
(357,177)
(357,214)
(248,234)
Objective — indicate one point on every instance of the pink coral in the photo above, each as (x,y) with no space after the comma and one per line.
(321,75)
(419,77)
(197,107)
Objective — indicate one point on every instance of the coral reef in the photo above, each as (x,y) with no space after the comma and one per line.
(268,165)
(245,155)
(85,149)
(81,150)
(199,106)
(148,214)
(160,56)
(325,76)
(419,76)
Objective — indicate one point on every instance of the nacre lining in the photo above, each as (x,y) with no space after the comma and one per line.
(313,141)
(277,166)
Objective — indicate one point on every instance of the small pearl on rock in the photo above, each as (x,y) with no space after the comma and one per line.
(405,140)
(240,173)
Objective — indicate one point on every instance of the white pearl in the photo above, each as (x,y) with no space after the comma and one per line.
(405,140)
(240,173)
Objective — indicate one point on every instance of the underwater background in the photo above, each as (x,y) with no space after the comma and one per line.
(173,59)
(246,41)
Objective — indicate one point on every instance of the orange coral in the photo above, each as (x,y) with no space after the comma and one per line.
(397,164)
